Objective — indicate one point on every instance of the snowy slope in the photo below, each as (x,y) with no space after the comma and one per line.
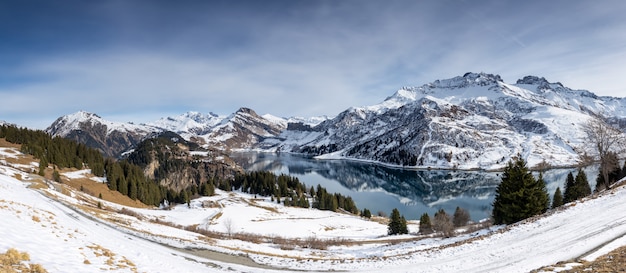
(64,240)
(65,233)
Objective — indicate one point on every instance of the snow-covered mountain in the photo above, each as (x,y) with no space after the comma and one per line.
(244,129)
(111,138)
(476,121)
(189,124)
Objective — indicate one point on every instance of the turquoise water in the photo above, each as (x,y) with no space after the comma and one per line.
(381,189)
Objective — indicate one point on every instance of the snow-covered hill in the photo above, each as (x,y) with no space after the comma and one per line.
(64,230)
(476,121)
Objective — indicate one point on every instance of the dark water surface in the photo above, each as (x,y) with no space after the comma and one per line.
(380,188)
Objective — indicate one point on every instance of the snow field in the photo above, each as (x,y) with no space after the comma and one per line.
(65,234)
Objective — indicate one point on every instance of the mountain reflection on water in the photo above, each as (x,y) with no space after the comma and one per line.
(381,188)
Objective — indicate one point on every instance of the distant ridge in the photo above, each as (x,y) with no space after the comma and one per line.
(474,121)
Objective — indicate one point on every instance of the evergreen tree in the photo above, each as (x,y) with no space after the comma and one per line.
(397,223)
(461,217)
(122,185)
(366,213)
(557,199)
(132,190)
(570,190)
(519,195)
(56,176)
(43,164)
(208,189)
(582,185)
(426,226)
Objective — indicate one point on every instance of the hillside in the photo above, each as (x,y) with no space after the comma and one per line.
(178,164)
(63,229)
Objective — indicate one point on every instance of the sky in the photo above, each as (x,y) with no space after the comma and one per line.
(142,60)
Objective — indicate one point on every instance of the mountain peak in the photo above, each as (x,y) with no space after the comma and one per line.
(246,110)
(468,79)
(482,76)
(81,116)
(534,80)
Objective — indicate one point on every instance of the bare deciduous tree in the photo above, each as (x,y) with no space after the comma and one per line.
(443,223)
(230,226)
(603,140)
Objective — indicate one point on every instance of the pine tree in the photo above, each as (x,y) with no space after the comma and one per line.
(56,176)
(570,189)
(43,164)
(397,223)
(557,199)
(582,185)
(460,217)
(519,195)
(366,213)
(426,226)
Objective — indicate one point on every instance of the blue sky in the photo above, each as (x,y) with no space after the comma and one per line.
(142,60)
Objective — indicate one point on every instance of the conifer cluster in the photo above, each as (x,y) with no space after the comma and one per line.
(519,195)
(397,223)
(291,191)
(61,152)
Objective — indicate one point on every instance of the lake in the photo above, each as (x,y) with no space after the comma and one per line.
(381,189)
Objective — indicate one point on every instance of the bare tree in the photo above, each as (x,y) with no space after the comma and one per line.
(443,223)
(230,226)
(604,141)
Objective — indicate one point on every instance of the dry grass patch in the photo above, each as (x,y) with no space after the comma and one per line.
(614,261)
(217,216)
(111,258)
(13,261)
(255,204)
(132,213)
(6,144)
(23,160)
(96,189)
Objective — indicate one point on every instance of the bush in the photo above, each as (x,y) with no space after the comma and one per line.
(443,223)
(461,217)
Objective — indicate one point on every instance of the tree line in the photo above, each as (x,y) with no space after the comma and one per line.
(292,192)
(59,151)
(443,222)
